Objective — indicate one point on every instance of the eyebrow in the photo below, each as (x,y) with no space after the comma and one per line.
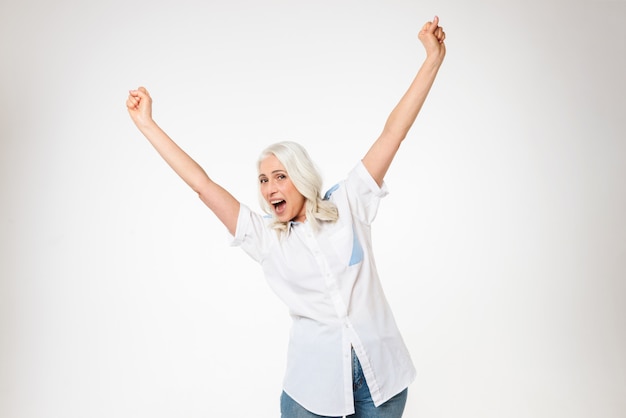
(273,172)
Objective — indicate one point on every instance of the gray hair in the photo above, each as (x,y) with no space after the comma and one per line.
(307,180)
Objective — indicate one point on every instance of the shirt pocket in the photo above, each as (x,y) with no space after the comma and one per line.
(347,246)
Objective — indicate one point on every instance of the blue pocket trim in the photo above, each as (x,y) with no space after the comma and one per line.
(357,250)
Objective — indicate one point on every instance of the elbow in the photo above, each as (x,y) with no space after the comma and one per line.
(201,187)
(394,134)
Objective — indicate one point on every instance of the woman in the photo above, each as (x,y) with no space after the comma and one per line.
(346,356)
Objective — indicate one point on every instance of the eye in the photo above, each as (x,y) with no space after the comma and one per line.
(262,180)
(281,177)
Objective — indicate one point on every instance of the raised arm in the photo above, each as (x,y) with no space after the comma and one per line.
(379,157)
(222,203)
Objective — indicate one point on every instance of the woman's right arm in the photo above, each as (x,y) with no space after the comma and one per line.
(220,201)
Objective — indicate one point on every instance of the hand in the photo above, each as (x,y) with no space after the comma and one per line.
(432,37)
(139,104)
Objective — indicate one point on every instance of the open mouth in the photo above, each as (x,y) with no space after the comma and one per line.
(279,206)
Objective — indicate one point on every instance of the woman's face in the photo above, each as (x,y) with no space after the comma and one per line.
(279,191)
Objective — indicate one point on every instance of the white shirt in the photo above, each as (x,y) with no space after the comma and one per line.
(330,284)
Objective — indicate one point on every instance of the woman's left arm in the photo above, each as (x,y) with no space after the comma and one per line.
(379,157)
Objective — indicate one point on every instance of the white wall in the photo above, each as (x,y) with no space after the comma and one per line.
(502,244)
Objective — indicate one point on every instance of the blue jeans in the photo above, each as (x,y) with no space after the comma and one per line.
(363,404)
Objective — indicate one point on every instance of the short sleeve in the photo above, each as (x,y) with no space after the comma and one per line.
(364,193)
(368,181)
(243,222)
(252,234)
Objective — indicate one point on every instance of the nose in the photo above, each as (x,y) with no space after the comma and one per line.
(270,187)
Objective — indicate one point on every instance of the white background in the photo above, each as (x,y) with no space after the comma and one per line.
(502,245)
